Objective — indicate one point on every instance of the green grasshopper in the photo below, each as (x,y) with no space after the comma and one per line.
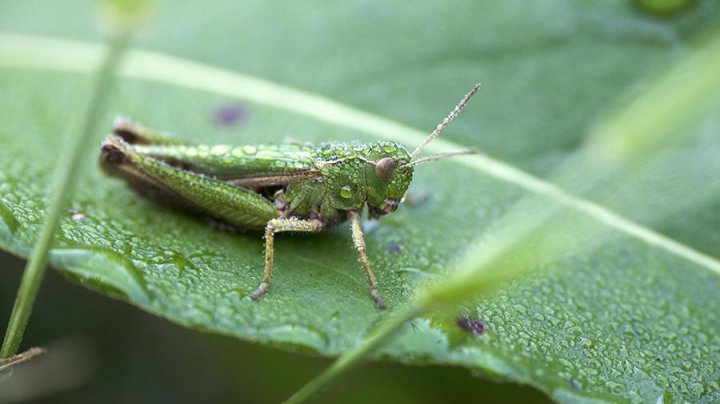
(275,188)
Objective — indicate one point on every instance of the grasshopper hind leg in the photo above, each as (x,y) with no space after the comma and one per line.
(237,206)
(111,161)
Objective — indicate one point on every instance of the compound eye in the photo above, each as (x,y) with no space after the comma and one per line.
(384,168)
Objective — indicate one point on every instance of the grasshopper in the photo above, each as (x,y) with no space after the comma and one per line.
(275,188)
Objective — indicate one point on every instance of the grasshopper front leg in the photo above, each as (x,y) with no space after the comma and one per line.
(276,226)
(359,243)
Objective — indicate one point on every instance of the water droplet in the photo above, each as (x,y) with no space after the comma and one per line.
(191,152)
(239,292)
(249,149)
(346,192)
(76,214)
(294,336)
(103,268)
(202,151)
(8,219)
(615,388)
(219,149)
(414,275)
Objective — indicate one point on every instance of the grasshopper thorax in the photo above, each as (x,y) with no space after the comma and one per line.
(355,174)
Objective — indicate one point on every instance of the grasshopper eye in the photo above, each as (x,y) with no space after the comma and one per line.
(384,168)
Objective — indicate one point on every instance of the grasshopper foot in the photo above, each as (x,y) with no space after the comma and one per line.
(260,291)
(376,298)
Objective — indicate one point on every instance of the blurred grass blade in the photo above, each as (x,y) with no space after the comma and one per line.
(656,118)
(355,356)
(63,182)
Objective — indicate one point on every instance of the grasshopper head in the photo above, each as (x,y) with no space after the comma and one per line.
(388,177)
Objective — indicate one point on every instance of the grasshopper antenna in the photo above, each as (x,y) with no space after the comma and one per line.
(445,121)
(439,156)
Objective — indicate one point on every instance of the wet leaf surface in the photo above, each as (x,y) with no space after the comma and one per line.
(626,321)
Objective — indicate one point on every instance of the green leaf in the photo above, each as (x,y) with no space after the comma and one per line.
(624,320)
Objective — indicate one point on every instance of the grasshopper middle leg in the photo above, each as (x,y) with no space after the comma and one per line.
(359,243)
(275,226)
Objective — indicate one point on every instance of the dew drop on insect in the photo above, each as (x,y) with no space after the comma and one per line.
(203,151)
(389,148)
(249,149)
(191,152)
(219,149)
(346,192)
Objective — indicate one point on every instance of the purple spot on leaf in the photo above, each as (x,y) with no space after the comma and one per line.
(394,247)
(471,325)
(230,115)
